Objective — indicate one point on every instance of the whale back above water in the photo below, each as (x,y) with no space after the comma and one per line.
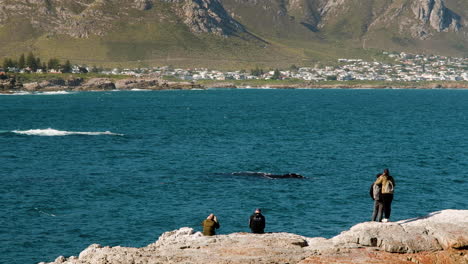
(268,175)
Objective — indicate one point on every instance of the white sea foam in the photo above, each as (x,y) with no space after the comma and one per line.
(54,92)
(42,212)
(17,93)
(40,93)
(53,132)
(263,88)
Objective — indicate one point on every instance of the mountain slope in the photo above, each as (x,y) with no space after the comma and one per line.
(229,33)
(122,32)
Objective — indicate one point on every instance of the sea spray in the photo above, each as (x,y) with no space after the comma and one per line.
(50,132)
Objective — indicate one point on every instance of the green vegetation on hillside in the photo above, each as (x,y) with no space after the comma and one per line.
(32,77)
(32,63)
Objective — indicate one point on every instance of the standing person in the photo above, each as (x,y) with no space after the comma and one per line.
(376,195)
(388,184)
(257,222)
(209,225)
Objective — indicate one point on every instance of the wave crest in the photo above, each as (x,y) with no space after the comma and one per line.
(54,93)
(54,132)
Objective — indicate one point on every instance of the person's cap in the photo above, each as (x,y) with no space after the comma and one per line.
(258,210)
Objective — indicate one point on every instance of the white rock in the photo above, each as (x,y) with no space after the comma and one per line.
(437,231)
(440,230)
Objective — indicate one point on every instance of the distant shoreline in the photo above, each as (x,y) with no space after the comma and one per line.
(349,87)
(343,85)
(75,84)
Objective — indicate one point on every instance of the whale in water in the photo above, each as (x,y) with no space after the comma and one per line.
(269,175)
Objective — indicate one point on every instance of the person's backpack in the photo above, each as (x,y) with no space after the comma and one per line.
(376,192)
(389,186)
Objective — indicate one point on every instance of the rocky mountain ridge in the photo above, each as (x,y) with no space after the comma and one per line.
(435,14)
(95,17)
(440,237)
(291,27)
(85,17)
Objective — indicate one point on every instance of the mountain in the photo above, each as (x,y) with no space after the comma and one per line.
(229,33)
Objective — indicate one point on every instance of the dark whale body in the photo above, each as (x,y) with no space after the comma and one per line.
(286,176)
(269,175)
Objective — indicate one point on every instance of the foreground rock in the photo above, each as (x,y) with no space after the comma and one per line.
(440,237)
(438,231)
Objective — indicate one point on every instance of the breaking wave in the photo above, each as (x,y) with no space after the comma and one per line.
(54,92)
(53,132)
(16,93)
(140,90)
(40,93)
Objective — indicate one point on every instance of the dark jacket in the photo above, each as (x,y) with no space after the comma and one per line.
(209,227)
(257,223)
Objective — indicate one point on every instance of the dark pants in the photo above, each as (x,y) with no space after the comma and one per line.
(257,231)
(378,211)
(387,204)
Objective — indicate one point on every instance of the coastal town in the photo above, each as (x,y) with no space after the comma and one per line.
(405,68)
(399,67)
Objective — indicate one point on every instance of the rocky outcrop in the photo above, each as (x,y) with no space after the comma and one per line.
(74,18)
(437,231)
(97,84)
(54,85)
(9,84)
(209,16)
(143,4)
(436,15)
(138,83)
(440,237)
(153,84)
(329,7)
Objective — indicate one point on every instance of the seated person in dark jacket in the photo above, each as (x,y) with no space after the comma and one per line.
(209,225)
(257,222)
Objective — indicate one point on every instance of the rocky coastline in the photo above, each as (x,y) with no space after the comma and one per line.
(12,85)
(440,237)
(347,85)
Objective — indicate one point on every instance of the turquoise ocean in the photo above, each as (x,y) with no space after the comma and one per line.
(121,168)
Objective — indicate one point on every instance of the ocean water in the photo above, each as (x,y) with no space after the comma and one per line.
(121,168)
